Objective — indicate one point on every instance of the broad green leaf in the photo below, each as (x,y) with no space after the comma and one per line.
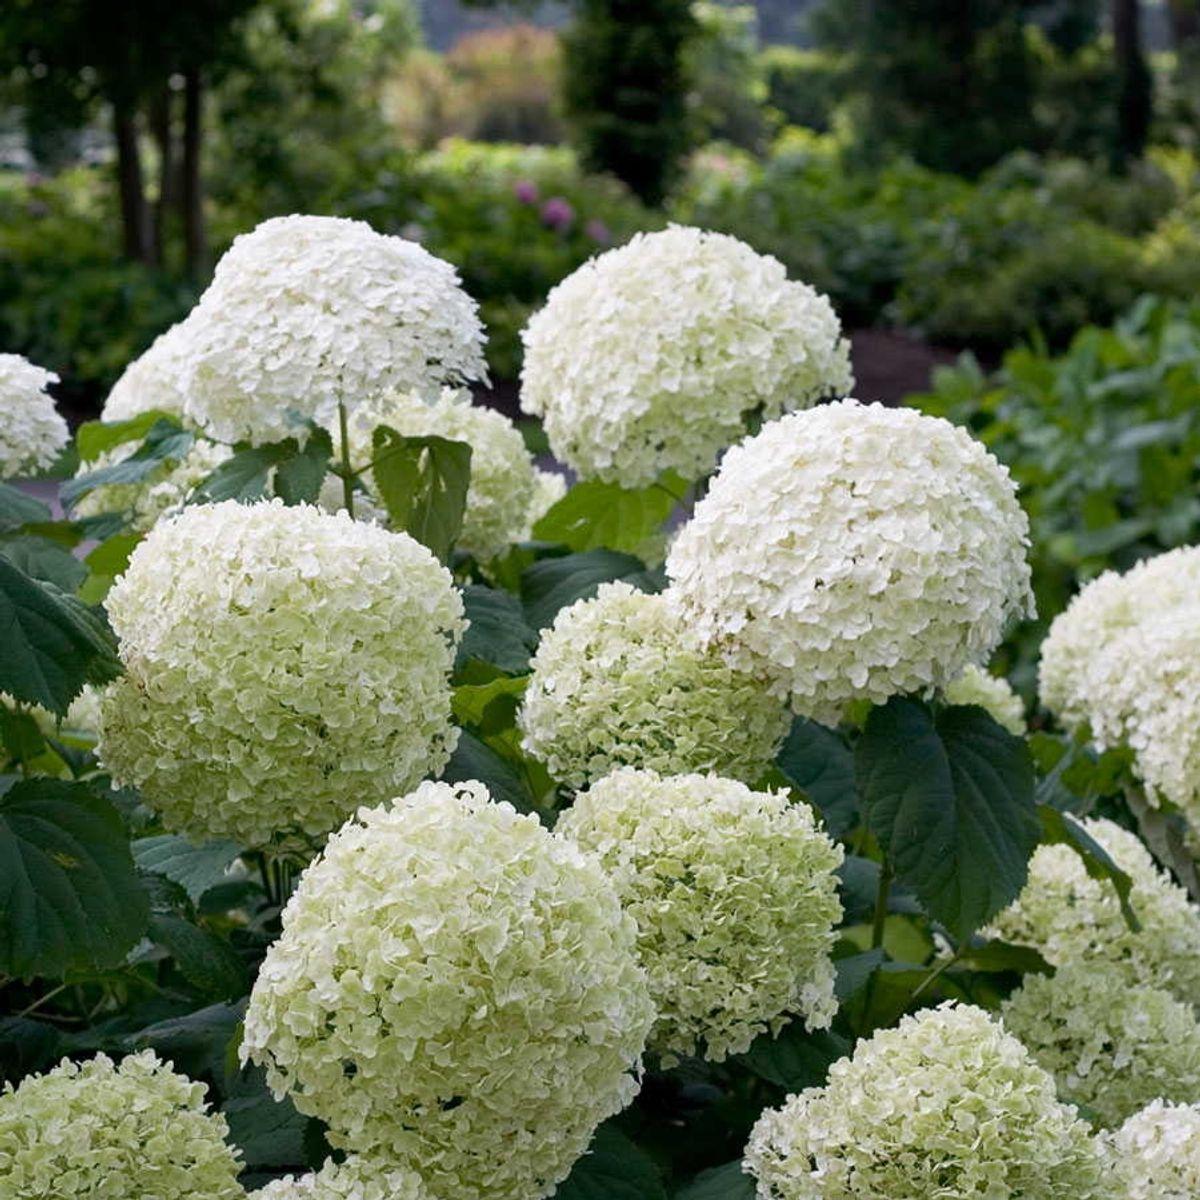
(853,972)
(26,1047)
(94,437)
(70,898)
(614,1168)
(206,961)
(1060,829)
(53,644)
(498,633)
(17,508)
(44,560)
(21,735)
(196,1043)
(489,707)
(474,759)
(269,1132)
(298,479)
(105,563)
(244,475)
(796,1058)
(166,442)
(554,583)
(729,1182)
(423,482)
(820,764)
(595,515)
(194,868)
(950,799)
(1001,956)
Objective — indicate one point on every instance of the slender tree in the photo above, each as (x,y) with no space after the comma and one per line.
(1135,93)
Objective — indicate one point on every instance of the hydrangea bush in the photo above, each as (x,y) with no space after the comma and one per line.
(447,847)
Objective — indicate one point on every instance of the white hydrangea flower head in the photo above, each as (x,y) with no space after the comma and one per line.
(1070,917)
(355,1179)
(991,693)
(1124,661)
(549,487)
(153,382)
(1110,1046)
(946,1104)
(135,1128)
(735,897)
(161,493)
(282,665)
(304,313)
(501,488)
(456,992)
(32,433)
(651,356)
(617,682)
(1158,1152)
(857,551)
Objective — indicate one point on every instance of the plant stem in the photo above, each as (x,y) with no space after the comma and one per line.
(62,987)
(347,471)
(881,903)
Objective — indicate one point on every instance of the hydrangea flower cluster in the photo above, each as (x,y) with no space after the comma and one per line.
(858,552)
(153,382)
(1070,917)
(991,693)
(946,1104)
(32,434)
(162,492)
(456,992)
(501,489)
(617,682)
(649,357)
(1111,1047)
(304,313)
(102,1129)
(1124,661)
(735,898)
(282,665)
(355,1179)
(1158,1152)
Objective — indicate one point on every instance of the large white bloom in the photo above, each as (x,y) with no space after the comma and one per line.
(945,1105)
(858,551)
(32,434)
(305,313)
(134,1129)
(1157,1152)
(1110,1046)
(991,693)
(503,478)
(1124,660)
(162,492)
(455,991)
(1070,917)
(735,898)
(650,357)
(283,665)
(617,682)
(153,382)
(355,1179)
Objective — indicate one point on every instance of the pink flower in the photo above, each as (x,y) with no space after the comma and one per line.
(557,213)
(598,232)
(525,191)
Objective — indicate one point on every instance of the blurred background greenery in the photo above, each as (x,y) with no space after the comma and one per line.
(969,171)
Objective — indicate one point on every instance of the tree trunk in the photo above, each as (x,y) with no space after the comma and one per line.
(135,213)
(1135,88)
(1185,23)
(168,171)
(195,235)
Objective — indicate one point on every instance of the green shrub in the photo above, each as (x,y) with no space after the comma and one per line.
(1103,439)
(803,86)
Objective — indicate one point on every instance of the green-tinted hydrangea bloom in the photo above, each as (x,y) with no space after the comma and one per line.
(735,899)
(283,666)
(946,1105)
(1158,1152)
(105,1131)
(355,1179)
(455,991)
(1110,1046)
(1070,917)
(995,695)
(616,682)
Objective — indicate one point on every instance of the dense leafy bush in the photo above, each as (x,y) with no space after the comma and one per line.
(1103,439)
